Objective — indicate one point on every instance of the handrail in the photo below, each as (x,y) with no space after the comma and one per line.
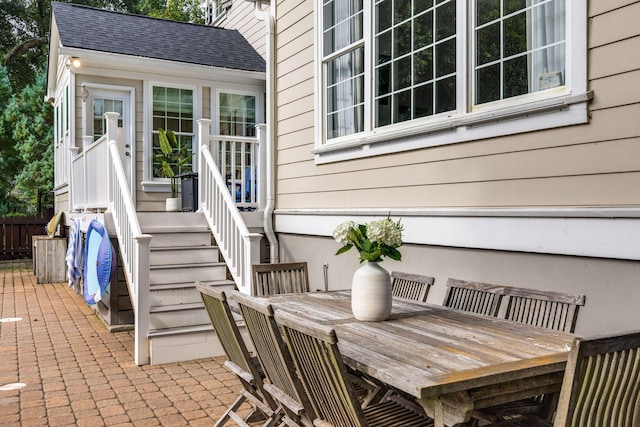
(134,246)
(238,246)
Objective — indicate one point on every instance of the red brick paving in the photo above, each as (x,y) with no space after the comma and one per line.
(79,374)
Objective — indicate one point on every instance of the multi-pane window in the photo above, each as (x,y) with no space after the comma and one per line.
(237,114)
(390,61)
(519,47)
(172,110)
(62,138)
(415,63)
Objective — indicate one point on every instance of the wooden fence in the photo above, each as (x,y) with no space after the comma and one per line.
(16,233)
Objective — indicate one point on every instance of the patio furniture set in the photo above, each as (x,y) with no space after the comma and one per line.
(489,355)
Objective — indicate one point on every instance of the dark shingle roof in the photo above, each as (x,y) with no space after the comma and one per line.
(100,30)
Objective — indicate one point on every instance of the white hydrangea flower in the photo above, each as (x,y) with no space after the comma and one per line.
(394,236)
(384,231)
(341,232)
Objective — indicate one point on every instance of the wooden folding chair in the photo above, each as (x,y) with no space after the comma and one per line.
(410,286)
(239,361)
(317,359)
(601,386)
(284,385)
(280,278)
(547,309)
(473,297)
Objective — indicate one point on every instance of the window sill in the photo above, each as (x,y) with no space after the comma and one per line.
(536,115)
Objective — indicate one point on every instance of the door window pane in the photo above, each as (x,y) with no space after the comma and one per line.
(102,106)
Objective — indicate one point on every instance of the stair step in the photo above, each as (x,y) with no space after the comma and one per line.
(188,343)
(180,239)
(183,254)
(181,345)
(175,307)
(186,273)
(154,221)
(180,331)
(173,293)
(177,316)
(184,293)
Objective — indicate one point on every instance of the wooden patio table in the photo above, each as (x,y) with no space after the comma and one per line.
(454,363)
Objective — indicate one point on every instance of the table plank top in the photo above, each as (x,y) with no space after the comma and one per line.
(429,350)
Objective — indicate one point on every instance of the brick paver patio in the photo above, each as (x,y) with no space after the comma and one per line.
(79,374)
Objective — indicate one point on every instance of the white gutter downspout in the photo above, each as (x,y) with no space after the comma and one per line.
(270,200)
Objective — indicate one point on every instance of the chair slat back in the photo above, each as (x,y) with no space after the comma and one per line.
(410,286)
(280,278)
(602,383)
(271,349)
(215,302)
(473,297)
(315,353)
(547,309)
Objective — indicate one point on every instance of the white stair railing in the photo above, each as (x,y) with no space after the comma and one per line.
(238,246)
(134,246)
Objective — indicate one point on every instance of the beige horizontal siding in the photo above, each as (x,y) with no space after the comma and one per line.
(596,164)
(287,94)
(288,63)
(241,17)
(597,7)
(61,202)
(294,149)
(607,124)
(614,58)
(615,25)
(587,159)
(575,191)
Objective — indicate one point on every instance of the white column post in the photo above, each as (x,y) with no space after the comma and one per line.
(142,314)
(204,136)
(87,140)
(72,180)
(112,135)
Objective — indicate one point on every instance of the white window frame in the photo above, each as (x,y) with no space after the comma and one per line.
(563,106)
(156,184)
(215,105)
(216,11)
(62,134)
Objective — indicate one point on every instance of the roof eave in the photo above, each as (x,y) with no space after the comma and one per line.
(98,59)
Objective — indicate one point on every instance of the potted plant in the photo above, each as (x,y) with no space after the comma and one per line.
(172,159)
(371,285)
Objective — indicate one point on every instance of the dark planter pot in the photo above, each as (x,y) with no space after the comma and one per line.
(189,191)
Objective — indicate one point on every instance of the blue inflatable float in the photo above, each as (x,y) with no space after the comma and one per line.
(99,262)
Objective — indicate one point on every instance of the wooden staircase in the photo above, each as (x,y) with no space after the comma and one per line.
(182,252)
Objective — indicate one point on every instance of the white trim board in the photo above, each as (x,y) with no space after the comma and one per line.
(585,235)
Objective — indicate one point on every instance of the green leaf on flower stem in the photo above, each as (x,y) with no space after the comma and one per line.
(394,254)
(344,249)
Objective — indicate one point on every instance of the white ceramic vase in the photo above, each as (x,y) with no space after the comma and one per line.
(371,293)
(173,204)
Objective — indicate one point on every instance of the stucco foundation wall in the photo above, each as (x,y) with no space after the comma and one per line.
(612,287)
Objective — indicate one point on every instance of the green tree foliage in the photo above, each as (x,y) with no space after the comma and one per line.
(176,10)
(9,161)
(32,133)
(24,34)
